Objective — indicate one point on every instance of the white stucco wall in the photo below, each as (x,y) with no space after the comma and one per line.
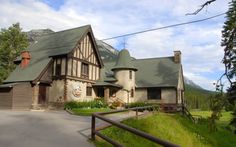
(56,91)
(124,80)
(168,95)
(140,95)
(122,77)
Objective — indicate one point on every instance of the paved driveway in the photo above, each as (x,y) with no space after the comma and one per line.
(42,129)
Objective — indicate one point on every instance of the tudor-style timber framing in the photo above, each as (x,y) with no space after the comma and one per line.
(71,65)
(84,53)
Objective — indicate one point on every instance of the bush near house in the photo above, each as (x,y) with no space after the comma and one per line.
(97,103)
(139,104)
(87,108)
(89,111)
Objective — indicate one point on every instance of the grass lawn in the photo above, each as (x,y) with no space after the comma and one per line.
(224,120)
(171,127)
(89,111)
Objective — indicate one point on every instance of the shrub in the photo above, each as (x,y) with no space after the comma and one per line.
(139,104)
(71,105)
(97,103)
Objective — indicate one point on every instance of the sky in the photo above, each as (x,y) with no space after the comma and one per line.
(199,42)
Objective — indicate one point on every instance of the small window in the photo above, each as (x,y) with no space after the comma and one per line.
(154,93)
(130,74)
(132,93)
(89,91)
(85,70)
(58,69)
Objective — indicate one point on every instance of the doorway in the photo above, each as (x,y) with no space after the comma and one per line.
(100,92)
(42,94)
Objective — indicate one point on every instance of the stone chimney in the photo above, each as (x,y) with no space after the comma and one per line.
(177,56)
(25,59)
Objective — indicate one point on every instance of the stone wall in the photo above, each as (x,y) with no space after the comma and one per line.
(76,90)
(56,91)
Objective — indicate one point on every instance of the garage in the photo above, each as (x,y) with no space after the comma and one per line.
(12,97)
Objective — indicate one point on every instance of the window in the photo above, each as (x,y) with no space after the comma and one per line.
(89,91)
(130,74)
(84,70)
(58,69)
(154,93)
(132,93)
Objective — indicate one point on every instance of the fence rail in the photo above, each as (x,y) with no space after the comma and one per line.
(147,136)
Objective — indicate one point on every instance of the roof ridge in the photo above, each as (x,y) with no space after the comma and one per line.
(154,58)
(65,30)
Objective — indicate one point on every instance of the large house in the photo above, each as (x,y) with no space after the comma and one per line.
(67,65)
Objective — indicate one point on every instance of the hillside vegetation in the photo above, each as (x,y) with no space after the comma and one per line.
(172,127)
(197,98)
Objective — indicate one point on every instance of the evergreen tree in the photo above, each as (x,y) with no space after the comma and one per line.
(12,42)
(229,60)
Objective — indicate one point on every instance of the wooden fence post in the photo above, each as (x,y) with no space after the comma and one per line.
(93,127)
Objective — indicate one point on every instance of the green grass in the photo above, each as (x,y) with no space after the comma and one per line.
(171,127)
(88,112)
(224,120)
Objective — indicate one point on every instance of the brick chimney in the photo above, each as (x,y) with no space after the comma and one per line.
(25,59)
(177,56)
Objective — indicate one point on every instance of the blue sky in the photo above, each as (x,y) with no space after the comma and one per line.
(199,42)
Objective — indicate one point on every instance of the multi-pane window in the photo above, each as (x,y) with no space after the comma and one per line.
(84,70)
(89,91)
(154,93)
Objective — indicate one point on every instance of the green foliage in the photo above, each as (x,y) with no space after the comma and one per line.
(89,111)
(12,42)
(97,103)
(139,104)
(229,44)
(218,101)
(174,128)
(71,105)
(197,98)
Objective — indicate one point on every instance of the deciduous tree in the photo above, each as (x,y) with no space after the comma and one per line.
(12,42)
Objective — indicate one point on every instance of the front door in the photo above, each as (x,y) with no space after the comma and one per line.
(42,94)
(100,92)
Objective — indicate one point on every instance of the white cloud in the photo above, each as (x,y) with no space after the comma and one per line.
(199,43)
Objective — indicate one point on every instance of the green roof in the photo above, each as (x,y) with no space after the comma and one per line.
(106,84)
(52,44)
(124,61)
(157,72)
(9,85)
(153,72)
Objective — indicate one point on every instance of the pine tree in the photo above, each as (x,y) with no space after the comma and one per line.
(12,42)
(229,60)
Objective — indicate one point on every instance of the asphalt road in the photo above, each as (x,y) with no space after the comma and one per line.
(43,129)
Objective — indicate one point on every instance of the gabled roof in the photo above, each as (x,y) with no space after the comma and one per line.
(47,46)
(153,72)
